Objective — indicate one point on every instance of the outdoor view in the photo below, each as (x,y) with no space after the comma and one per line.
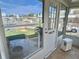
(52,17)
(22,20)
(72,28)
(61,20)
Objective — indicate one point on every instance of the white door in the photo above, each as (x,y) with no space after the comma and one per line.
(52,26)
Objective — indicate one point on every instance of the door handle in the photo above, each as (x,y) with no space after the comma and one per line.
(51,32)
(46,32)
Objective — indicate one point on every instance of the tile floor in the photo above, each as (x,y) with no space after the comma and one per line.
(59,54)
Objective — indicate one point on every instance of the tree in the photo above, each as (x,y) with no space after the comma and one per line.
(31,14)
(40,0)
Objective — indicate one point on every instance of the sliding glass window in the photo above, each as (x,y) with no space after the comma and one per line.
(22,20)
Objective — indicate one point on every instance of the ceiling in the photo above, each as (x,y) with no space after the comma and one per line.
(74,4)
(75,0)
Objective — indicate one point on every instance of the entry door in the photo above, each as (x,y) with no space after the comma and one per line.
(52,26)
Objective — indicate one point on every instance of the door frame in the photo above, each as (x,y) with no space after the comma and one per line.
(66,6)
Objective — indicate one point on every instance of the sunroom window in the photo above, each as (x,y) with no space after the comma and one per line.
(22,20)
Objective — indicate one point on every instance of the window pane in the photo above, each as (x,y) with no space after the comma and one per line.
(52,16)
(22,20)
(61,20)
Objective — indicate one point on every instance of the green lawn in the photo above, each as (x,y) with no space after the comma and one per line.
(28,32)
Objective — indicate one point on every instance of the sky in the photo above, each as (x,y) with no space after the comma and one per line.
(21,7)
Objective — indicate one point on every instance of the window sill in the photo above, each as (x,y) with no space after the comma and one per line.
(33,53)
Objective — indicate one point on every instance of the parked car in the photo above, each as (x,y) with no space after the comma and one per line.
(71,29)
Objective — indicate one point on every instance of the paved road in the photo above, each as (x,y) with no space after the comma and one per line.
(9,26)
(73,34)
(29,46)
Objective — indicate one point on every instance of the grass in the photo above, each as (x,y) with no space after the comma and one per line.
(27,32)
